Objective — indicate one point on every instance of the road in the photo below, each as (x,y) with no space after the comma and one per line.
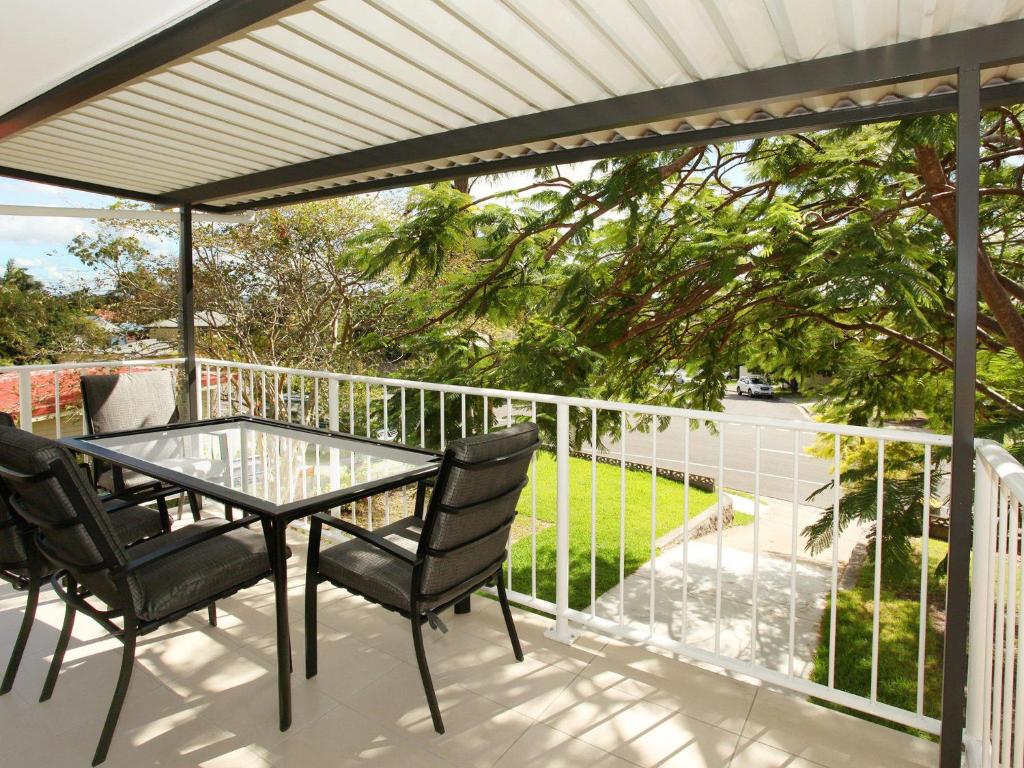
(777,451)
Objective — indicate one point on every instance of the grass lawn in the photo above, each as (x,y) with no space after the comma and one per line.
(637,526)
(897,649)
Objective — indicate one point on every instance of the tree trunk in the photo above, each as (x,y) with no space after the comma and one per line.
(999,301)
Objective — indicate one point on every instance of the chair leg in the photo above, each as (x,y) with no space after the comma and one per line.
(22,640)
(229,512)
(517,649)
(165,515)
(312,566)
(62,646)
(421,661)
(120,691)
(421,492)
(212,613)
(196,504)
(464,605)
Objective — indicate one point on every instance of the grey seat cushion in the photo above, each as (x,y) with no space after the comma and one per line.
(133,524)
(370,570)
(200,572)
(12,548)
(132,479)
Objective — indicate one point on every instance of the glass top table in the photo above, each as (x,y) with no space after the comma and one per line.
(277,471)
(264,467)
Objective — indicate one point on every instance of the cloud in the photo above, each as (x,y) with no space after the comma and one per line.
(17,192)
(48,231)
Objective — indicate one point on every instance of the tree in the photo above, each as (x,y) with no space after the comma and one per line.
(290,284)
(825,253)
(39,325)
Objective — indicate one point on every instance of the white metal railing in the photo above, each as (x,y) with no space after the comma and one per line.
(745,619)
(668,615)
(51,389)
(995,684)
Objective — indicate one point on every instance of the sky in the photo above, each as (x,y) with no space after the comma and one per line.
(39,244)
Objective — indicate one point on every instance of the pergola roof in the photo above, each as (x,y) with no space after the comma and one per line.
(260,102)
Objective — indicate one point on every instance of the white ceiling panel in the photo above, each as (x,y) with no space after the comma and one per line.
(339,78)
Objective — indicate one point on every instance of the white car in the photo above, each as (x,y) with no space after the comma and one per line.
(755,386)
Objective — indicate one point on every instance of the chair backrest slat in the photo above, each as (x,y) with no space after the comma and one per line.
(468,523)
(51,493)
(119,401)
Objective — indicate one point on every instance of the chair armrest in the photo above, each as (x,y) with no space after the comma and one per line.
(114,503)
(156,487)
(183,544)
(368,536)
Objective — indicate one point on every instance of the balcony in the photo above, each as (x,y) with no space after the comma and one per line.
(206,697)
(718,647)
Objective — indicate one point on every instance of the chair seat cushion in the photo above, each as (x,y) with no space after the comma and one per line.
(200,572)
(189,466)
(12,549)
(132,479)
(371,571)
(133,524)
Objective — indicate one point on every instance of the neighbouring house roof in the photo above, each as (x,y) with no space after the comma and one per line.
(103,323)
(205,319)
(50,388)
(256,102)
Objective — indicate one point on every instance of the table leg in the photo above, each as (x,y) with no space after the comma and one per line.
(279,561)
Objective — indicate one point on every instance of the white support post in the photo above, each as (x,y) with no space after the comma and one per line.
(561,631)
(332,405)
(25,400)
(199,390)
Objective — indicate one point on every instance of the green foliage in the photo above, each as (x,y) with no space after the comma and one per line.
(899,621)
(38,325)
(903,499)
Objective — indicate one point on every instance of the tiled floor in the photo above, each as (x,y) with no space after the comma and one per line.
(207,697)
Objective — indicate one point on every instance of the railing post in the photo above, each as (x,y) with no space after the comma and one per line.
(25,400)
(561,631)
(980,595)
(332,404)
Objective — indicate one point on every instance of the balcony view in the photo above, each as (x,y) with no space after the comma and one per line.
(512,384)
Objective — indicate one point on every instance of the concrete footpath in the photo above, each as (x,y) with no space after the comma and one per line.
(774,567)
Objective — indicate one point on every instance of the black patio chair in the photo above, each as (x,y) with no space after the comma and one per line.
(24,567)
(146,586)
(117,402)
(419,567)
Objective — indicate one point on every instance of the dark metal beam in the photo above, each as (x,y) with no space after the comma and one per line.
(961,499)
(220,20)
(871,67)
(187,321)
(1010,93)
(86,186)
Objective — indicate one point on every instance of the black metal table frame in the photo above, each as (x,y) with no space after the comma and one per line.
(277,516)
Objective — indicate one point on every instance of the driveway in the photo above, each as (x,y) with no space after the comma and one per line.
(777,459)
